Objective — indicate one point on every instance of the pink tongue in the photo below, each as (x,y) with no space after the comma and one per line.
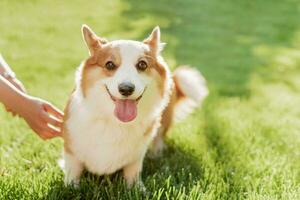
(125,110)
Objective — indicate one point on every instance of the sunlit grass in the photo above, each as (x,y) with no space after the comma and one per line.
(243,144)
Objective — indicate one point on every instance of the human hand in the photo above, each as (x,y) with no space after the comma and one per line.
(42,117)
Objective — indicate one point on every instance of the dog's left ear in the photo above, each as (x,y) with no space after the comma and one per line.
(154,41)
(93,42)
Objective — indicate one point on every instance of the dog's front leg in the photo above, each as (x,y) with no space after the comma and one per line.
(132,172)
(73,169)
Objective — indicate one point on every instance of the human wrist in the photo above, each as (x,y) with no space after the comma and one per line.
(8,74)
(22,103)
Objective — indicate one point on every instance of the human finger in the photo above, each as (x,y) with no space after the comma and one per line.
(54,132)
(53,121)
(53,110)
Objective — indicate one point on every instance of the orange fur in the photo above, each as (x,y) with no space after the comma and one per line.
(166,118)
(65,133)
(159,67)
(97,61)
(177,97)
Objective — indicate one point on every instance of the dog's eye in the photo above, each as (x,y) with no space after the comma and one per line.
(141,65)
(110,65)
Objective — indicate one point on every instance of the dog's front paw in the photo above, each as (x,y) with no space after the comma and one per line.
(140,185)
(72,170)
(157,149)
(73,182)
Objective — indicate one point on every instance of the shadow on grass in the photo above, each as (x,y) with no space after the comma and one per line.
(176,170)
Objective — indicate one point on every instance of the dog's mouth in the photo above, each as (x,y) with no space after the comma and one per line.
(125,109)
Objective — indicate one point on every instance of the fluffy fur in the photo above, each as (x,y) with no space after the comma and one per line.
(97,140)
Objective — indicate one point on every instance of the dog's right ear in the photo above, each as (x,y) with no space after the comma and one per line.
(154,41)
(92,41)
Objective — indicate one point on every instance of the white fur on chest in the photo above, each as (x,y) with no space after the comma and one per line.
(104,145)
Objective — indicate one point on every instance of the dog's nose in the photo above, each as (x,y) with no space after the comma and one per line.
(126,88)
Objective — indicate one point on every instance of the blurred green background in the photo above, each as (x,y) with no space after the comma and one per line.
(244,143)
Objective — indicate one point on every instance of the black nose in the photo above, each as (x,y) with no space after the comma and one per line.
(126,88)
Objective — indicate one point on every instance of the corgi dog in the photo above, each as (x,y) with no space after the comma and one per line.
(125,98)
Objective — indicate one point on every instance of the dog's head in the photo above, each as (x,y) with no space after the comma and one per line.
(128,73)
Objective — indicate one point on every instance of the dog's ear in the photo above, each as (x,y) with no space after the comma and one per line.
(153,41)
(92,41)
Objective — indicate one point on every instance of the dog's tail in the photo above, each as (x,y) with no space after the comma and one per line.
(189,92)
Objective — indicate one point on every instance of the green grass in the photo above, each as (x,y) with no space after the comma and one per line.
(243,144)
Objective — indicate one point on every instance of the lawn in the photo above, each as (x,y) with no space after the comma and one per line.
(244,143)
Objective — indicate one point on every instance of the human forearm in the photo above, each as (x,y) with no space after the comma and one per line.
(9,95)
